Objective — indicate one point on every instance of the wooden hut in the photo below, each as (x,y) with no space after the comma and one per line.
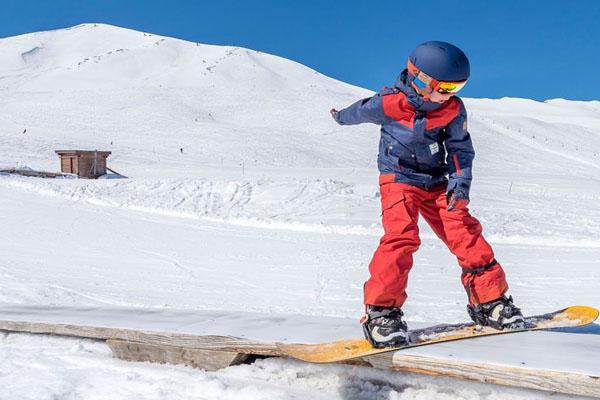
(85,163)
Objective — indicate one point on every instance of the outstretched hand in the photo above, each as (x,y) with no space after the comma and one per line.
(333,113)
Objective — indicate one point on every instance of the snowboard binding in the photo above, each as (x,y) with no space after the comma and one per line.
(498,314)
(384,327)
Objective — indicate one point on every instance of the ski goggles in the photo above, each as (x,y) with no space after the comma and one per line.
(424,81)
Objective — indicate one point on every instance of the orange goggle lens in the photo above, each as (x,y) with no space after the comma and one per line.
(450,87)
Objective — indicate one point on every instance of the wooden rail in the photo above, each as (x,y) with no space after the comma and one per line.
(529,378)
(209,352)
(215,352)
(36,174)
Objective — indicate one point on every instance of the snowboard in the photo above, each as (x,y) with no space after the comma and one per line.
(349,349)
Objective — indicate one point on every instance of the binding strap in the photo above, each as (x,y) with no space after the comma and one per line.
(369,315)
(479,270)
(472,272)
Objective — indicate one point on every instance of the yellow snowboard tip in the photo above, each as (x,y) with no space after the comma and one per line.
(582,314)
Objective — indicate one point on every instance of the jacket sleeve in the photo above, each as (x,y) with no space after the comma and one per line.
(460,155)
(365,110)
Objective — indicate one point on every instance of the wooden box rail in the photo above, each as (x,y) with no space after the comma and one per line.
(213,352)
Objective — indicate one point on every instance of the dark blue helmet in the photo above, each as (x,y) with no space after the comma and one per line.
(442,61)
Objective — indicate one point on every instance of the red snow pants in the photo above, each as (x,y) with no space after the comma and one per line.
(482,277)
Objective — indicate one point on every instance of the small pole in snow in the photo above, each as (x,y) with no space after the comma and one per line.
(510,188)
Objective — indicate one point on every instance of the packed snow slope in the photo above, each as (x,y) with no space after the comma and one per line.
(244,195)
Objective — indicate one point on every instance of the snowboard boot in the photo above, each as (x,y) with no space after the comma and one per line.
(384,326)
(498,314)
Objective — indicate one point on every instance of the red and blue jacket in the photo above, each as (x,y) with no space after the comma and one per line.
(422,143)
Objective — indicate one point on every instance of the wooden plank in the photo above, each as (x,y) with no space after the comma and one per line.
(65,165)
(30,173)
(209,360)
(209,342)
(115,172)
(554,381)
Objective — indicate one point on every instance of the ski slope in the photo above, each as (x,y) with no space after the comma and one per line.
(244,196)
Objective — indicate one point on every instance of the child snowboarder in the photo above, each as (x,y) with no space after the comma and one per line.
(425,158)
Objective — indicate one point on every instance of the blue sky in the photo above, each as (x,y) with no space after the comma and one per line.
(533,49)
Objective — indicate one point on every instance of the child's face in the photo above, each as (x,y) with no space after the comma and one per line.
(438,97)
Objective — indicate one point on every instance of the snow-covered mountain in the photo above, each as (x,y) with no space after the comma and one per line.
(93,85)
(244,195)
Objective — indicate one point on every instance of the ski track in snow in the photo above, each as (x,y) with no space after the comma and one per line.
(319,206)
(243,195)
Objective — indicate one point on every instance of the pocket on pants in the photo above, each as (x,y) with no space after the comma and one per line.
(390,198)
(396,217)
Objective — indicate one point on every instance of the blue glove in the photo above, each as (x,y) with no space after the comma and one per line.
(456,199)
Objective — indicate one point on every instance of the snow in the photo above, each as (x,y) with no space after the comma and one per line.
(244,196)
